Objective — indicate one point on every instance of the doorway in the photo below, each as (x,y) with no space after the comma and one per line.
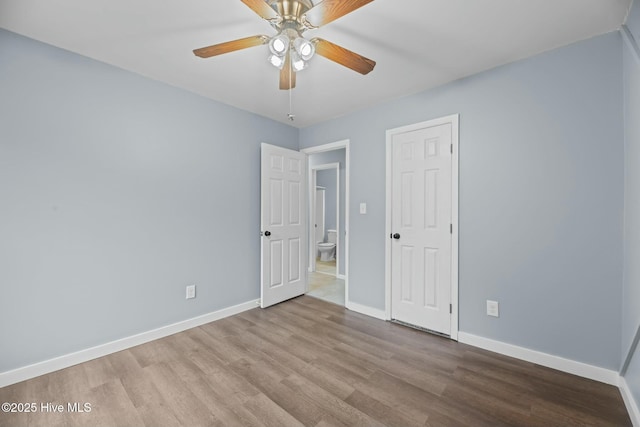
(422,225)
(328,167)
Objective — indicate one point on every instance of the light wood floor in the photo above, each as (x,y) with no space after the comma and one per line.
(326,287)
(328,267)
(308,362)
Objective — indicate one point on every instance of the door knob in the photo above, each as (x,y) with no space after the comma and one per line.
(396,236)
(267,233)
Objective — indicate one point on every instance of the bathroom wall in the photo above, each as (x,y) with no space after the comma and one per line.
(336,156)
(117,191)
(541,197)
(327,179)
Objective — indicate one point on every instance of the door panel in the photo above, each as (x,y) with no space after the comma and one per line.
(295,249)
(421,215)
(276,256)
(295,190)
(283,225)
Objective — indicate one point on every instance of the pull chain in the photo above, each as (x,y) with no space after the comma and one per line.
(291,116)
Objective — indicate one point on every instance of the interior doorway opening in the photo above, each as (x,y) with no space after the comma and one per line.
(328,216)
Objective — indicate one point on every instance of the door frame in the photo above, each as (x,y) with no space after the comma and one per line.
(312,249)
(345,143)
(454,121)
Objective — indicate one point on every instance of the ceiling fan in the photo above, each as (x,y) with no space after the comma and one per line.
(289,51)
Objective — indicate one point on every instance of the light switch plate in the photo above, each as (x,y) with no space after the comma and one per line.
(191,291)
(493,308)
(363,208)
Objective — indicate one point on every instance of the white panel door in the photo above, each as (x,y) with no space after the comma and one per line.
(420,223)
(283,225)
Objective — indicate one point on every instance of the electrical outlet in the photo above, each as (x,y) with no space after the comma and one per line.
(191,291)
(493,308)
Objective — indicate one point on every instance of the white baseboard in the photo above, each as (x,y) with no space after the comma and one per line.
(630,403)
(584,370)
(366,310)
(61,362)
(341,276)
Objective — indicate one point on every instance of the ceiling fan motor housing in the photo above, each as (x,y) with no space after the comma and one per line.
(291,10)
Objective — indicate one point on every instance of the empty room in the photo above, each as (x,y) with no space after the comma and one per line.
(319,213)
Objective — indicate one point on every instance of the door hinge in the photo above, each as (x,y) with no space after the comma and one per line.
(450,308)
(451,228)
(451,148)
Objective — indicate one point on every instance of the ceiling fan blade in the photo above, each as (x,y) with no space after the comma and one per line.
(219,49)
(287,75)
(262,8)
(343,56)
(330,10)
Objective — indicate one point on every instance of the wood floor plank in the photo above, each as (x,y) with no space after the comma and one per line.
(508,412)
(306,362)
(186,406)
(269,413)
(157,416)
(141,389)
(300,407)
(330,404)
(517,398)
(417,376)
(110,402)
(153,352)
(228,408)
(390,398)
(124,363)
(377,410)
(284,357)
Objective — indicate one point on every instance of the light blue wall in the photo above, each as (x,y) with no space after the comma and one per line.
(631,284)
(541,197)
(116,192)
(336,156)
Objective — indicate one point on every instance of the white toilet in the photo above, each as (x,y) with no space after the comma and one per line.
(328,250)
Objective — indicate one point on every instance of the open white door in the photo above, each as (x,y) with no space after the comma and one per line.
(283,225)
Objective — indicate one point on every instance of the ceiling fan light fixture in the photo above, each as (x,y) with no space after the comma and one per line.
(276,61)
(304,48)
(279,45)
(297,62)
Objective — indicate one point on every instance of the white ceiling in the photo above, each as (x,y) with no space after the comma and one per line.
(417,44)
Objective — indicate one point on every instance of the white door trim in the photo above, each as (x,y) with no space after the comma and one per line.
(330,147)
(454,121)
